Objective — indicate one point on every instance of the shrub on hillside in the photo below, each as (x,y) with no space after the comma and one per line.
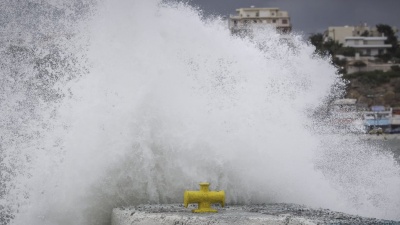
(346,51)
(389,97)
(395,68)
(393,74)
(373,77)
(385,57)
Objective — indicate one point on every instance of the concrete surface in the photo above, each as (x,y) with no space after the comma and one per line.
(274,214)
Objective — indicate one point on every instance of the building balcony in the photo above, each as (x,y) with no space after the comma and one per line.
(235,17)
(238,17)
(286,27)
(367,46)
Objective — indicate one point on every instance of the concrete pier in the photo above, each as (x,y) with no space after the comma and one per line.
(274,214)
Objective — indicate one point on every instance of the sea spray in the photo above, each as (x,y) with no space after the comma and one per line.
(169,100)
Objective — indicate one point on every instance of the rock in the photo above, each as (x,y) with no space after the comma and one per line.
(279,214)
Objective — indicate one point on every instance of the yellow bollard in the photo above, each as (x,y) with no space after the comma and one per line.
(204,198)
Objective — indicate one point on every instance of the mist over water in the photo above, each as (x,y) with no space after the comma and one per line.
(157,99)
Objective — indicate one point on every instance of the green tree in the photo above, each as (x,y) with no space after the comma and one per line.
(341,64)
(359,64)
(332,47)
(347,51)
(328,48)
(318,41)
(385,57)
(323,47)
(395,68)
(365,34)
(391,37)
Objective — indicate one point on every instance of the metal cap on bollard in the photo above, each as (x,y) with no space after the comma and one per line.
(204,198)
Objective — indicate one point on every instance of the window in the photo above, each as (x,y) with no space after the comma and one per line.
(248,15)
(235,22)
(257,14)
(255,21)
(284,21)
(273,21)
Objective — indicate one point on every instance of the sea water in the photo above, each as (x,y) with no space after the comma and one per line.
(131,102)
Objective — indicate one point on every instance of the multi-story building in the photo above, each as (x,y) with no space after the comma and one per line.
(366,41)
(366,31)
(248,18)
(340,34)
(371,46)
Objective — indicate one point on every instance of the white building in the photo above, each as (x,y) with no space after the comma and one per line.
(339,33)
(367,41)
(248,17)
(371,46)
(344,113)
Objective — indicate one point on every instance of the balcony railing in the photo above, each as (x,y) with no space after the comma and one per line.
(367,46)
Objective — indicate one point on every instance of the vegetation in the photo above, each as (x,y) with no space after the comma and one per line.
(346,51)
(387,30)
(365,34)
(395,68)
(373,77)
(383,86)
(324,48)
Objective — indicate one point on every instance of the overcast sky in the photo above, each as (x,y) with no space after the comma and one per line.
(313,16)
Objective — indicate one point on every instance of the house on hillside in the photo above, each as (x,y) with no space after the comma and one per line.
(248,18)
(340,33)
(363,49)
(378,116)
(344,113)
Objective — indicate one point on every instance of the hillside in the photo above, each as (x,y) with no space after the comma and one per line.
(374,88)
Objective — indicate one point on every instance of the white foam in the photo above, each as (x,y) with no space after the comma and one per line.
(171,100)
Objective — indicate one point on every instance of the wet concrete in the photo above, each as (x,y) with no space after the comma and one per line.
(285,214)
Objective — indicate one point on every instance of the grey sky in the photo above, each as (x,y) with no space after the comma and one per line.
(312,16)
